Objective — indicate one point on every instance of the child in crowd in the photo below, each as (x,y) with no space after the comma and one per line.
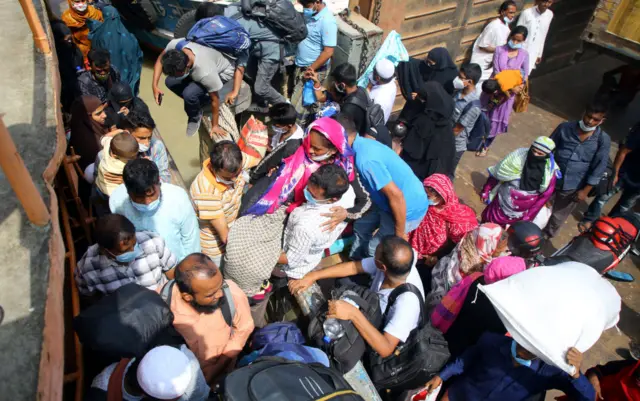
(117,151)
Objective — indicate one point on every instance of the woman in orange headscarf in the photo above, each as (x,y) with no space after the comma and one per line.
(76,19)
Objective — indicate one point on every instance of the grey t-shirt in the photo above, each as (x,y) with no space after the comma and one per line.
(467,120)
(211,68)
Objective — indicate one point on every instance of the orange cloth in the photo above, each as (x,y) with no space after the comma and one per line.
(208,335)
(79,29)
(508,79)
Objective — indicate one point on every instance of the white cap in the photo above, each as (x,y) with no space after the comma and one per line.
(164,373)
(385,68)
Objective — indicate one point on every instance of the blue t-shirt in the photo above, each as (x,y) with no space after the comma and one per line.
(378,165)
(322,31)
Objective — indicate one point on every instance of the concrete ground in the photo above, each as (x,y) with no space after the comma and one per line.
(557,96)
(27,108)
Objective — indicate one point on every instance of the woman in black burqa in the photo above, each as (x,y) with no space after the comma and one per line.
(429,146)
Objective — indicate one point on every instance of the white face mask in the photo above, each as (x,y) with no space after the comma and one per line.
(142,148)
(322,157)
(458,83)
(584,127)
(82,7)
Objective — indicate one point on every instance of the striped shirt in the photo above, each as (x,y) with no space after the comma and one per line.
(213,200)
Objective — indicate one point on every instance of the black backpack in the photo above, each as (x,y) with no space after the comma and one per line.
(375,115)
(415,361)
(227,306)
(346,351)
(481,128)
(279,15)
(271,378)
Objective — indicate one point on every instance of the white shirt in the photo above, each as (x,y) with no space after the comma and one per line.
(385,96)
(304,241)
(538,26)
(298,134)
(404,314)
(494,35)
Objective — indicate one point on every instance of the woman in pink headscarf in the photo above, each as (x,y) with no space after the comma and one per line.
(325,142)
(465,313)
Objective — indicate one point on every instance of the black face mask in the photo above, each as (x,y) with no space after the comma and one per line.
(207,309)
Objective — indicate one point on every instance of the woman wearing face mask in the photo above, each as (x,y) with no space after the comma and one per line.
(429,146)
(521,184)
(126,54)
(325,142)
(508,57)
(121,102)
(69,62)
(494,35)
(447,221)
(76,19)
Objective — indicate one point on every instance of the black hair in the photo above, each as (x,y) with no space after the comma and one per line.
(99,57)
(347,123)
(597,106)
(226,156)
(505,5)
(472,71)
(191,266)
(208,10)
(305,3)
(113,229)
(490,86)
(140,175)
(174,62)
(519,29)
(283,114)
(345,73)
(332,179)
(393,255)
(137,119)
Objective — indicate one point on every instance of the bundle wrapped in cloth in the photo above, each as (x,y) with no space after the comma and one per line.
(550,309)
(508,79)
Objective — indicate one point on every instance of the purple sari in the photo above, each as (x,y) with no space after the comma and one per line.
(500,115)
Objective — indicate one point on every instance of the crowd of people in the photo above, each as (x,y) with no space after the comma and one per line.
(248,237)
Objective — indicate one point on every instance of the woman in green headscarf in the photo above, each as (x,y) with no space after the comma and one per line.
(123,46)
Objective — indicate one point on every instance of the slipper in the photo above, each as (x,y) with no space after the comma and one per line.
(584,226)
(482,153)
(619,276)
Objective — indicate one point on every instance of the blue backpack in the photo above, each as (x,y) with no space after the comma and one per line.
(277,333)
(480,130)
(221,33)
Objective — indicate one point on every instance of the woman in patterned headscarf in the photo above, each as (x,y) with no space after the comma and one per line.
(520,185)
(76,19)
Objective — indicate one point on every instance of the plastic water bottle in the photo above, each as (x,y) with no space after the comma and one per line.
(333,329)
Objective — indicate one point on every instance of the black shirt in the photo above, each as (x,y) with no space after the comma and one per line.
(356,112)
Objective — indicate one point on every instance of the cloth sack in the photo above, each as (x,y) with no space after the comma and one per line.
(392,49)
(542,218)
(550,309)
(253,142)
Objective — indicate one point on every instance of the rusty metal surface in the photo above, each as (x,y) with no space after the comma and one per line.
(604,28)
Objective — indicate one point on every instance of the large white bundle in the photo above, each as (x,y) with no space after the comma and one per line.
(550,309)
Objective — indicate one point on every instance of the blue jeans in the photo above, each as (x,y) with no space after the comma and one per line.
(365,243)
(627,200)
(195,95)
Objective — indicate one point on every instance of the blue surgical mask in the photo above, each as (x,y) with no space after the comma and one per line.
(225,182)
(514,46)
(321,158)
(307,13)
(279,130)
(150,208)
(523,362)
(130,256)
(507,20)
(310,199)
(433,203)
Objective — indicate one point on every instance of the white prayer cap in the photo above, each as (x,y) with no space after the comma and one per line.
(385,68)
(164,373)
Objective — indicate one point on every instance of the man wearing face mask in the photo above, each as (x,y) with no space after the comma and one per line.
(211,313)
(497,368)
(140,124)
(382,86)
(493,36)
(121,256)
(99,79)
(467,107)
(284,128)
(537,20)
(216,194)
(582,153)
(314,52)
(151,206)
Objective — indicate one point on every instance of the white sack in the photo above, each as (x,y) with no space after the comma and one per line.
(550,309)
(542,218)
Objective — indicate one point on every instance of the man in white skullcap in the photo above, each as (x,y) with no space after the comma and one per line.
(382,86)
(164,373)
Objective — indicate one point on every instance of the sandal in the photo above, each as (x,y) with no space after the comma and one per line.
(482,153)
(584,226)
